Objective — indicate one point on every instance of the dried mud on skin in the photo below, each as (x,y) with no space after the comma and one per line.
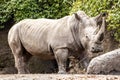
(58,77)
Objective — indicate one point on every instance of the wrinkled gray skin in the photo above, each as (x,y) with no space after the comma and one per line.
(105,63)
(57,39)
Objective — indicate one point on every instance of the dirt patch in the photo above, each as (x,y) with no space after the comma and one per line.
(6,59)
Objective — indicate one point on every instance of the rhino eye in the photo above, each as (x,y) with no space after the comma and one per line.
(87,37)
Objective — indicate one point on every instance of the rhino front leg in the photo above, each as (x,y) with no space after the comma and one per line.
(61,56)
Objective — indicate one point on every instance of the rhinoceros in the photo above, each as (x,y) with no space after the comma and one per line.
(57,39)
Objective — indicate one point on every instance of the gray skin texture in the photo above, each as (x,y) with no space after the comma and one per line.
(105,63)
(76,35)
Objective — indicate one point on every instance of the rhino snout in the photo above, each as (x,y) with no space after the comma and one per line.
(96,49)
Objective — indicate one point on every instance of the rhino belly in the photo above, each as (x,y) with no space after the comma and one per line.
(39,51)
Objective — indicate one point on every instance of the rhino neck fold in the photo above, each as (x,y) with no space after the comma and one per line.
(75,34)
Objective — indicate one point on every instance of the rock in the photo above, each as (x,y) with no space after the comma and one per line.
(105,63)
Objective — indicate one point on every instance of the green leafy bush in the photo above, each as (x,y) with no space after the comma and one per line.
(21,9)
(94,7)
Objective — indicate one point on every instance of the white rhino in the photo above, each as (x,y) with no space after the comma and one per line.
(57,39)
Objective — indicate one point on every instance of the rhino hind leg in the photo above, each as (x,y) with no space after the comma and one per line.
(61,56)
(21,56)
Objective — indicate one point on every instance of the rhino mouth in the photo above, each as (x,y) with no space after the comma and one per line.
(96,50)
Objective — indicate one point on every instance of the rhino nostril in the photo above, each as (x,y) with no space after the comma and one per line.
(93,48)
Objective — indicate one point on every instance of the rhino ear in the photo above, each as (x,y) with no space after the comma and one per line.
(77,16)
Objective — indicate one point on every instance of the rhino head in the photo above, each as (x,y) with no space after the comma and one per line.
(92,31)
